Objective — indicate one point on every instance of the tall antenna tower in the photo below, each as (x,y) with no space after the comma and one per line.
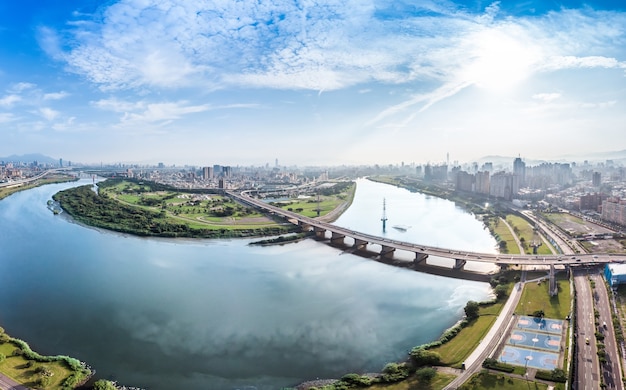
(384,218)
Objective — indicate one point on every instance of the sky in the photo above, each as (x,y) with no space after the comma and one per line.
(311,82)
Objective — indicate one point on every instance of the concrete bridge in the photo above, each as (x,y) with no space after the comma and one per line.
(421,252)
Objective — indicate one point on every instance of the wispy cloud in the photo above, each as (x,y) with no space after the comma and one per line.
(48,113)
(9,100)
(546,97)
(55,95)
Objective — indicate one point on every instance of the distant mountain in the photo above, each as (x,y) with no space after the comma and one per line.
(616,156)
(29,158)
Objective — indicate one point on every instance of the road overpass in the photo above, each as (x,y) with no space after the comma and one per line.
(17,183)
(421,252)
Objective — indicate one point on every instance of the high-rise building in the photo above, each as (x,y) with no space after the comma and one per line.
(504,185)
(482,182)
(596,179)
(465,181)
(614,210)
(207,173)
(519,168)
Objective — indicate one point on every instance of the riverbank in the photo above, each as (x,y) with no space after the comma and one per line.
(22,365)
(51,179)
(151,209)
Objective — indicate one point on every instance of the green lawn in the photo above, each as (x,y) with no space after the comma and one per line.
(502,231)
(526,234)
(486,380)
(17,368)
(309,208)
(535,297)
(438,382)
(454,352)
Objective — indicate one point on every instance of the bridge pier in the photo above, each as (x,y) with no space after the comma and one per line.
(420,258)
(459,264)
(320,233)
(359,245)
(387,252)
(336,238)
(304,226)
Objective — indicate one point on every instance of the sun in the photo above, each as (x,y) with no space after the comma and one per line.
(499,61)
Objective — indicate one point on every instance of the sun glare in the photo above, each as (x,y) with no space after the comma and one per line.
(499,62)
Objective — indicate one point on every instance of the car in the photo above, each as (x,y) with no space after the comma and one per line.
(604,324)
(577,259)
(587,340)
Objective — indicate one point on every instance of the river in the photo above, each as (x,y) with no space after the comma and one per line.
(219,314)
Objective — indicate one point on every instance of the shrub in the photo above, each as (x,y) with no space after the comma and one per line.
(426,374)
(422,357)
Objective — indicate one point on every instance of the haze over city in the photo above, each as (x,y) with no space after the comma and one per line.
(320,82)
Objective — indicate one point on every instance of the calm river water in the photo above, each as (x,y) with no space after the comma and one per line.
(219,314)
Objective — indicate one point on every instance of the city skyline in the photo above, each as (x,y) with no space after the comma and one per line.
(320,83)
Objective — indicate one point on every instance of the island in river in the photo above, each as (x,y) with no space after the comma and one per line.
(151,209)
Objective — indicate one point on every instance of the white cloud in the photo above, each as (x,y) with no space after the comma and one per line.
(157,112)
(547,97)
(9,100)
(569,62)
(117,105)
(48,113)
(600,105)
(22,86)
(6,117)
(50,43)
(55,95)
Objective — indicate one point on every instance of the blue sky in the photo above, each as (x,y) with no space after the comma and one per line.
(311,82)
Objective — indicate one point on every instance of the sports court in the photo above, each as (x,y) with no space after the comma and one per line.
(540,324)
(534,342)
(542,360)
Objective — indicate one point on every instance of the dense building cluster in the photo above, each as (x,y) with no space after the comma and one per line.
(596,190)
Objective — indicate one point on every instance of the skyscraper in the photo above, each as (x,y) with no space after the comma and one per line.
(519,168)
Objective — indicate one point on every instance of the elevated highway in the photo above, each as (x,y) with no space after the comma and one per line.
(422,252)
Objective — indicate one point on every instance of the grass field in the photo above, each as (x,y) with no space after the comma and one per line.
(504,233)
(527,235)
(438,382)
(535,297)
(213,211)
(21,371)
(486,381)
(454,352)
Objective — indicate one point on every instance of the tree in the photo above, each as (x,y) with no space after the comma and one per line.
(425,374)
(471,310)
(104,385)
(423,357)
(558,375)
(500,291)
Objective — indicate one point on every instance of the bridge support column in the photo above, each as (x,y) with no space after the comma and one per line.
(360,245)
(337,239)
(304,226)
(459,264)
(420,258)
(387,252)
(320,233)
